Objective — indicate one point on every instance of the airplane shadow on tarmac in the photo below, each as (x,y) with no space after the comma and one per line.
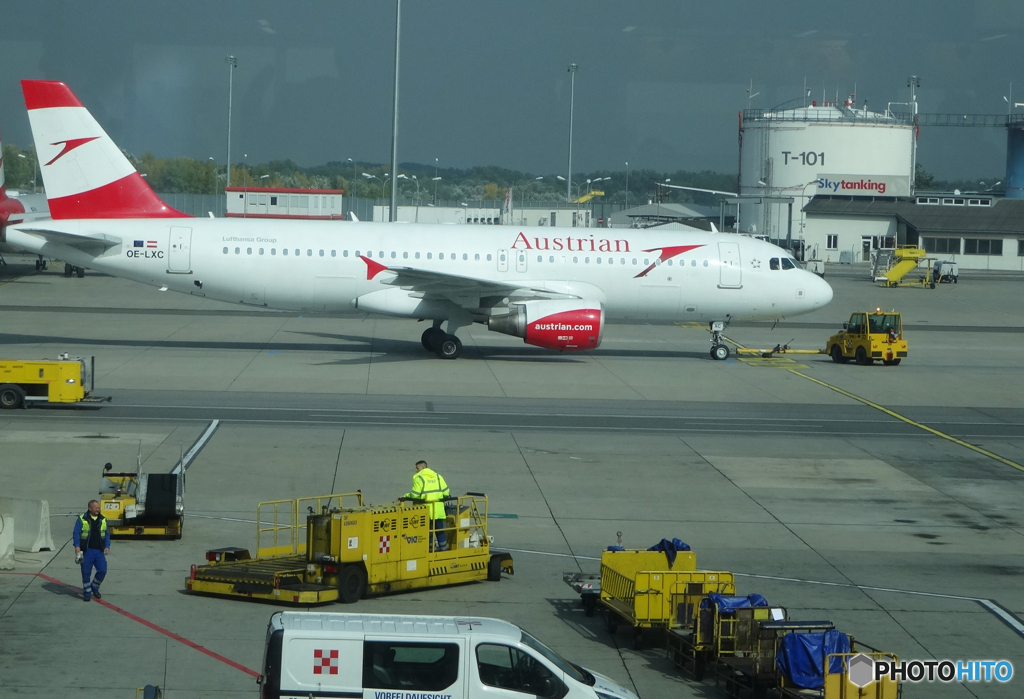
(381,349)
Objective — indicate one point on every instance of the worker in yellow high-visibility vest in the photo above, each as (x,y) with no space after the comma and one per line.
(428,485)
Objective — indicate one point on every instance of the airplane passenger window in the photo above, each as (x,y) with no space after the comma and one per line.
(225,251)
(417,256)
(284,251)
(334,253)
(551,259)
(381,255)
(646,262)
(465,256)
(321,253)
(575,260)
(773,263)
(634,260)
(597,259)
(788,263)
(623,261)
(309,253)
(248,251)
(405,256)
(693,263)
(393,254)
(261,251)
(657,262)
(357,253)
(237,250)
(670,263)
(540,258)
(488,257)
(705,263)
(440,255)
(273,251)
(453,255)
(297,252)
(476,257)
(586,260)
(344,253)
(429,254)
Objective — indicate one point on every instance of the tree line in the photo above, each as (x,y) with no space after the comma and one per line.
(416,181)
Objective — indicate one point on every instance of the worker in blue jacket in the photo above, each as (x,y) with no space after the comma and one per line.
(92,544)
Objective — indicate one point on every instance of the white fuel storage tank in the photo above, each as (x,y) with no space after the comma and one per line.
(829,149)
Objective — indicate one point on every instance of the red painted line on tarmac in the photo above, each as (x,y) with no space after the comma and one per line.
(159,629)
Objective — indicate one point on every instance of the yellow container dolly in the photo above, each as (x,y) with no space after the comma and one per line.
(345,549)
(640,589)
(869,336)
(142,505)
(64,380)
(841,685)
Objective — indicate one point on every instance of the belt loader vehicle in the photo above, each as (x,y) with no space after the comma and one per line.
(345,549)
(64,380)
(869,336)
(384,656)
(142,505)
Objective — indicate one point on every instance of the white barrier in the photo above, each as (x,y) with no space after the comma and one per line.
(33,517)
(6,541)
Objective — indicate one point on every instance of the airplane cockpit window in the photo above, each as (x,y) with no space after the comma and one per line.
(773,263)
(789,263)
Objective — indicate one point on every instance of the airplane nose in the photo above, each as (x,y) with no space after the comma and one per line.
(820,291)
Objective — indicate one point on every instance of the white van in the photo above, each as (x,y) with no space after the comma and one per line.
(383,656)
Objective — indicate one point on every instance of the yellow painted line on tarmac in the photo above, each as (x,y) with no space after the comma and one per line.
(772,362)
(14,279)
(926,428)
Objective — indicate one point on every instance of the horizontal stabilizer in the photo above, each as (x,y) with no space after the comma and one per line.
(92,244)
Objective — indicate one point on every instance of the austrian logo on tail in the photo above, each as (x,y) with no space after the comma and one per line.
(667,254)
(70,145)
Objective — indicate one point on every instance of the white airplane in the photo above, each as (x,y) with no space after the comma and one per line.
(19,208)
(554,287)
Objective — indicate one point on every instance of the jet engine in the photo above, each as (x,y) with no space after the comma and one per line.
(571,325)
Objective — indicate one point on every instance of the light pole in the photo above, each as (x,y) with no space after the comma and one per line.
(627,184)
(572,96)
(210,159)
(353,192)
(436,180)
(570,186)
(35,167)
(394,125)
(232,63)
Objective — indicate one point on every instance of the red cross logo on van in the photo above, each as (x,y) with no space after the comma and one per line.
(385,544)
(325,662)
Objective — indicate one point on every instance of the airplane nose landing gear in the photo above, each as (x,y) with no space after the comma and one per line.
(719,350)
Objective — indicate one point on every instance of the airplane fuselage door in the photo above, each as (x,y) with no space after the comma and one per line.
(520,260)
(179,258)
(731,272)
(503,260)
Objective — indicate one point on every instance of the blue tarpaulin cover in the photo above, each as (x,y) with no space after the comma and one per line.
(616,548)
(801,657)
(725,603)
(670,548)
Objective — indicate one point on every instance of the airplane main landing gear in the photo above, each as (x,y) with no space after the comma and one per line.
(41,264)
(444,345)
(719,350)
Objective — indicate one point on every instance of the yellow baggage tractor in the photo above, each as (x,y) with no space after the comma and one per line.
(642,590)
(64,380)
(141,505)
(345,549)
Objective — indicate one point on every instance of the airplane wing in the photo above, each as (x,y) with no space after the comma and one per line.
(92,244)
(455,287)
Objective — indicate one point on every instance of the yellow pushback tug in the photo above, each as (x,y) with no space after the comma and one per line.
(346,550)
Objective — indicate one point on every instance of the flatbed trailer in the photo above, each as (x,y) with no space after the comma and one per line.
(347,550)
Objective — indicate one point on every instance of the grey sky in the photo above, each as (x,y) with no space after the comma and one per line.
(660,82)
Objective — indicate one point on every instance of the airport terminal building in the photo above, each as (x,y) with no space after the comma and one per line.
(977,231)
